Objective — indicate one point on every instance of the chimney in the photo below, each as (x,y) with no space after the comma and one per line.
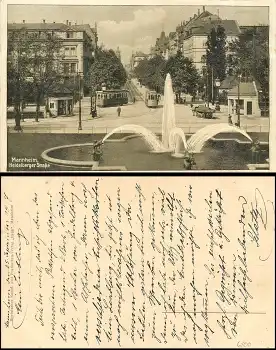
(23,20)
(67,22)
(203,8)
(43,20)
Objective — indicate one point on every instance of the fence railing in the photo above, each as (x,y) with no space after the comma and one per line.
(60,128)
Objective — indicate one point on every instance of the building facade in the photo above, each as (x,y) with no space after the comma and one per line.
(79,43)
(190,37)
(193,35)
(136,58)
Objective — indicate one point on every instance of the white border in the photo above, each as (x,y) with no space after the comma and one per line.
(272,46)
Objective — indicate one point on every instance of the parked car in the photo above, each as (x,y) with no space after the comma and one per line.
(204,112)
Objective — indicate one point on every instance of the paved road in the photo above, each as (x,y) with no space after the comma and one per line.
(136,113)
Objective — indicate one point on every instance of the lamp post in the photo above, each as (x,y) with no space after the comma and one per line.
(216,85)
(213,85)
(93,108)
(79,81)
(238,108)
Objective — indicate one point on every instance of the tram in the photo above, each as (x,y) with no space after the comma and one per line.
(151,99)
(108,98)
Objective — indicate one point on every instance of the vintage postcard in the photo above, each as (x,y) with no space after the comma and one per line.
(138,262)
(137,87)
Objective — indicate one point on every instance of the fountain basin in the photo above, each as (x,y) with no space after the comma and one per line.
(131,153)
(54,156)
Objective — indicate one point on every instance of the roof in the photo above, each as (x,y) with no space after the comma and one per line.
(38,26)
(54,26)
(229,82)
(86,28)
(231,27)
(202,17)
(140,54)
(59,89)
(246,89)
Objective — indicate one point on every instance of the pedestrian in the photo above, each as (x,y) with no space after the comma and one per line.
(230,120)
(133,99)
(119,110)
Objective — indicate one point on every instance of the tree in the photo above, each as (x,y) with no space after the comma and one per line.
(184,74)
(151,73)
(34,65)
(46,68)
(215,58)
(249,56)
(18,52)
(106,70)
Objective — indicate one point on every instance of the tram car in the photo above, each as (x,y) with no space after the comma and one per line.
(109,98)
(151,99)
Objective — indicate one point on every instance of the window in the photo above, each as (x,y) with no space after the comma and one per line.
(52,105)
(73,67)
(69,35)
(73,51)
(67,51)
(66,68)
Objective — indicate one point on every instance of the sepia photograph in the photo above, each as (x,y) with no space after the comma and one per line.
(137,88)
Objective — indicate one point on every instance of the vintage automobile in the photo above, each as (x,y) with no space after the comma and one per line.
(204,112)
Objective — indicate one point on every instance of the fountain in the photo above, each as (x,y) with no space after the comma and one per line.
(173,138)
(168,125)
(168,117)
(150,138)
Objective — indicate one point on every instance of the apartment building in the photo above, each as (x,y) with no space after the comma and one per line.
(193,35)
(79,42)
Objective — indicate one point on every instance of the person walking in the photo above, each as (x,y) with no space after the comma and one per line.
(230,119)
(119,111)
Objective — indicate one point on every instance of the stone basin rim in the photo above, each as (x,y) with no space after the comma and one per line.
(78,163)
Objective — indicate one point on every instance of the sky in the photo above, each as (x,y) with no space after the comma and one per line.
(131,28)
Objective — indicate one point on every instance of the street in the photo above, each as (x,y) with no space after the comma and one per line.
(136,113)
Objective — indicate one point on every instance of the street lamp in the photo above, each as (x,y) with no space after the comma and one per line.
(79,81)
(93,108)
(238,108)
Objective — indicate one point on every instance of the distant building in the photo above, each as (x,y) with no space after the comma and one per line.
(79,42)
(173,44)
(190,37)
(136,58)
(162,45)
(118,53)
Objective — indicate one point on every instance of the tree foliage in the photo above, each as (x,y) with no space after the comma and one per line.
(185,77)
(152,73)
(216,52)
(106,70)
(249,56)
(34,65)
(215,59)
